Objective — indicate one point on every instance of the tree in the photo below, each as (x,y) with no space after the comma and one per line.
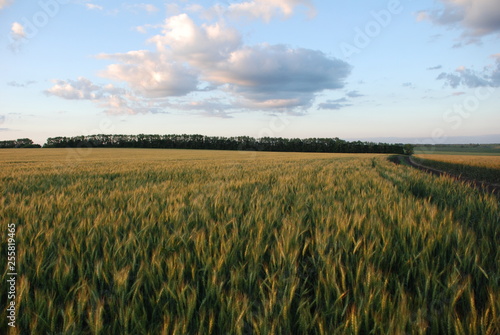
(408,149)
(23,143)
(224,143)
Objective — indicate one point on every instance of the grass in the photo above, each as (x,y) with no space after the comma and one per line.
(484,168)
(198,242)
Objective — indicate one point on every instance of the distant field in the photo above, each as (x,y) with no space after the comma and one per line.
(480,150)
(135,241)
(484,168)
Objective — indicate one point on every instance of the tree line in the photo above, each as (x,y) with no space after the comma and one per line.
(245,143)
(19,143)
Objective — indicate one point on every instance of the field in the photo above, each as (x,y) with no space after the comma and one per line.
(122,241)
(456,149)
(477,167)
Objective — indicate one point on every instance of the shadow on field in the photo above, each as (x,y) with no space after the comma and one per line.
(480,185)
(477,212)
(469,205)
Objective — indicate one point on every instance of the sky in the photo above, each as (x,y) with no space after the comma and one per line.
(423,71)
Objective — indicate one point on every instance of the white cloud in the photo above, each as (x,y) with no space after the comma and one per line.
(268,9)
(263,76)
(93,6)
(81,89)
(113,100)
(152,74)
(17,31)
(198,45)
(478,18)
(5,3)
(199,58)
(144,28)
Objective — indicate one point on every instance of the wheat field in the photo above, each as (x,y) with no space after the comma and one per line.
(472,160)
(122,241)
(477,167)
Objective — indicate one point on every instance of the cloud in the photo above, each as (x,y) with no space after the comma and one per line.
(81,89)
(451,79)
(340,103)
(93,6)
(422,16)
(354,94)
(268,9)
(17,84)
(494,76)
(201,46)
(334,104)
(477,18)
(17,31)
(144,28)
(113,99)
(142,7)
(463,76)
(191,57)
(153,75)
(437,67)
(261,77)
(276,76)
(408,84)
(5,3)
(212,107)
(2,119)
(193,8)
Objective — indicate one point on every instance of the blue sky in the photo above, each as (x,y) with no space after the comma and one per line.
(415,71)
